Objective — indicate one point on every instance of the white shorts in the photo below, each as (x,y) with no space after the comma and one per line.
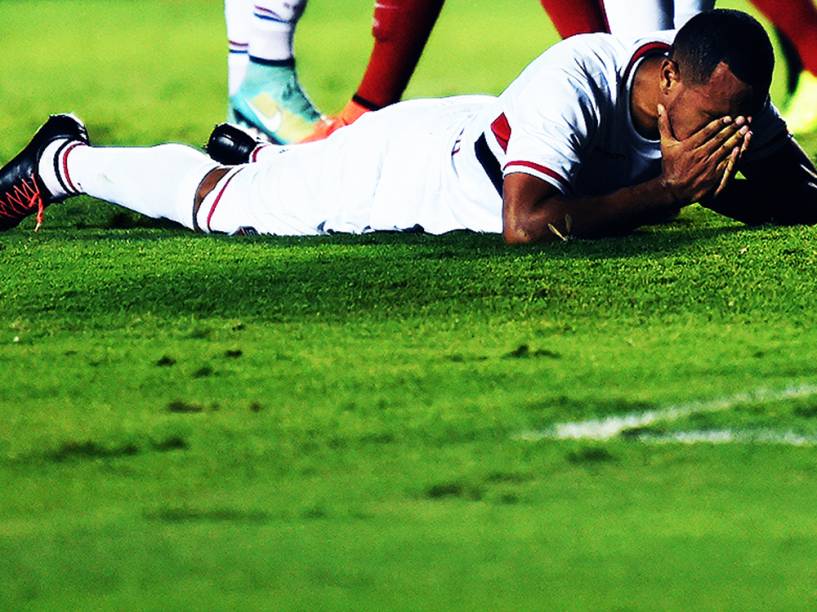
(391,170)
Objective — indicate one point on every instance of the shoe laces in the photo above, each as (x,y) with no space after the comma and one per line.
(21,199)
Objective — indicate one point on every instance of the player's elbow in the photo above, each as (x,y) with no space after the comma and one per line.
(529,206)
(517,234)
(513,236)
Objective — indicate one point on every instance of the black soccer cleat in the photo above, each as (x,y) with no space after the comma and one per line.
(22,191)
(230,145)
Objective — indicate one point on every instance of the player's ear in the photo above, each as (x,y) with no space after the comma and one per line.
(669,74)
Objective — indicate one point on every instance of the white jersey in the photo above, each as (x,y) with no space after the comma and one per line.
(566,119)
(439,164)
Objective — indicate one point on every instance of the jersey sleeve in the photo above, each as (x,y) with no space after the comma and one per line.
(549,123)
(769,133)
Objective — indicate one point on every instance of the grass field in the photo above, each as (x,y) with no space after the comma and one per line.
(372,422)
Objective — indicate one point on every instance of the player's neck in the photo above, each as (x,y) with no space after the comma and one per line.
(644,98)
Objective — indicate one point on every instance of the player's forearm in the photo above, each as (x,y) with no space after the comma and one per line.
(751,203)
(591,217)
(780,188)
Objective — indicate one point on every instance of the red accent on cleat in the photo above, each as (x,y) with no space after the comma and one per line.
(22,200)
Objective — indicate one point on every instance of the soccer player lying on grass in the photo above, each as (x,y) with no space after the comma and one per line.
(592,139)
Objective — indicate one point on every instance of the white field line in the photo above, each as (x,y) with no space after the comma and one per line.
(729,436)
(610,427)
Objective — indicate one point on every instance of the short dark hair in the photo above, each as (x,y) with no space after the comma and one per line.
(732,37)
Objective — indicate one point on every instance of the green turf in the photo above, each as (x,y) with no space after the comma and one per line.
(338,423)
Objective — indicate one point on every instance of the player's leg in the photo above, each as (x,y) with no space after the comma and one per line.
(794,63)
(572,17)
(59,163)
(238,17)
(687,9)
(158,182)
(182,184)
(270,98)
(634,18)
(401,29)
(797,19)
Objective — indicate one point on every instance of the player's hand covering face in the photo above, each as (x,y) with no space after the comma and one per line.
(701,165)
(691,106)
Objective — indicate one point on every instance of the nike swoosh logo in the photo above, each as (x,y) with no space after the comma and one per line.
(269,121)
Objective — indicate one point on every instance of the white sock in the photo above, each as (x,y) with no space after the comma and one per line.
(159,182)
(54,171)
(634,18)
(687,9)
(238,15)
(273,28)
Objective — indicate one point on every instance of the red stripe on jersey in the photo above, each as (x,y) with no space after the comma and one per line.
(502,131)
(218,198)
(543,169)
(650,48)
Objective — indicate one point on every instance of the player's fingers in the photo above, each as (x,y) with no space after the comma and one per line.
(664,126)
(736,140)
(717,140)
(746,141)
(729,170)
(720,147)
(710,131)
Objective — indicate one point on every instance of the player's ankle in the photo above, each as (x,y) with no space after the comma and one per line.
(259,69)
(54,170)
(354,110)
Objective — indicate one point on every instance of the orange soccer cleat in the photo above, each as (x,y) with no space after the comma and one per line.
(327,125)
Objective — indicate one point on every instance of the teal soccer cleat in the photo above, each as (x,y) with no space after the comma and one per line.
(271,102)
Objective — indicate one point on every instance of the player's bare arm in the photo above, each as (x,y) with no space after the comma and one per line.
(701,165)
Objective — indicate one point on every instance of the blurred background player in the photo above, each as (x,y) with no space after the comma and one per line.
(265,95)
(402,27)
(264,91)
(635,18)
(270,99)
(797,21)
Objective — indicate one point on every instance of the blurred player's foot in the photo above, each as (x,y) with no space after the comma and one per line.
(231,145)
(38,175)
(327,125)
(271,101)
(801,111)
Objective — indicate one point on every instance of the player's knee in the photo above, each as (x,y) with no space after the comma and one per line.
(205,188)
